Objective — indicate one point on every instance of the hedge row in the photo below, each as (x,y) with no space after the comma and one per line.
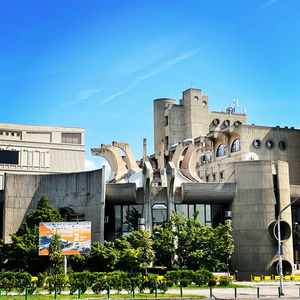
(100,281)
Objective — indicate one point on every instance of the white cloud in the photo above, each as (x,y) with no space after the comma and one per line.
(84,95)
(90,165)
(158,70)
(268,3)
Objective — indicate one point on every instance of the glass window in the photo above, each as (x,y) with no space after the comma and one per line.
(207,213)
(191,210)
(159,214)
(71,138)
(236,145)
(182,209)
(117,218)
(221,150)
(201,216)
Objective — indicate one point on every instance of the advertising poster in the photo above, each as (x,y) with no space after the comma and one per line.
(75,237)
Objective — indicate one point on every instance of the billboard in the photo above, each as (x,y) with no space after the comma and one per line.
(75,237)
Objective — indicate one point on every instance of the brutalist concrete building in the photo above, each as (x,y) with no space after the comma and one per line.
(213,162)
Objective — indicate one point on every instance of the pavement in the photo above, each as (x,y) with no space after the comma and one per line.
(255,290)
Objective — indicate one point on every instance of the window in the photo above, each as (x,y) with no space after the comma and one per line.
(269,144)
(236,145)
(221,151)
(206,159)
(9,157)
(71,138)
(282,145)
(204,212)
(166,120)
(214,177)
(159,214)
(1,132)
(256,143)
(127,218)
(221,175)
(12,133)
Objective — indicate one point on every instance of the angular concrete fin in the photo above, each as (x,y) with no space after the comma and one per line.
(113,157)
(130,160)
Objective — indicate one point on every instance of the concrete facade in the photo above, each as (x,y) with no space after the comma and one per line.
(32,149)
(82,194)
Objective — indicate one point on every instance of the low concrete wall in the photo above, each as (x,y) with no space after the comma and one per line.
(83,192)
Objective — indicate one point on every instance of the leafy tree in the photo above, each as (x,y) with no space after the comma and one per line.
(55,255)
(22,253)
(189,245)
(142,242)
(163,245)
(102,257)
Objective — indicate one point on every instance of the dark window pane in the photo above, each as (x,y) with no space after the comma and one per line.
(9,157)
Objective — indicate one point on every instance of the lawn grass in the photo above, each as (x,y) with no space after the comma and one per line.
(93,296)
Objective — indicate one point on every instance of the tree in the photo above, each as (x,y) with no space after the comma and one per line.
(142,242)
(188,245)
(22,253)
(102,257)
(55,255)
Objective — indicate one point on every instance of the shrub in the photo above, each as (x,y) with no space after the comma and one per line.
(135,279)
(100,285)
(115,280)
(184,282)
(149,282)
(41,279)
(58,281)
(173,276)
(82,280)
(224,281)
(7,281)
(212,282)
(164,285)
(202,276)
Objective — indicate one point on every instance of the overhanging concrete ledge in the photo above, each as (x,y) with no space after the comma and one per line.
(208,192)
(120,193)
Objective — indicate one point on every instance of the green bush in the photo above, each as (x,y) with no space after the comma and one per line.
(7,281)
(212,281)
(115,280)
(100,285)
(173,276)
(58,281)
(202,276)
(163,285)
(41,279)
(82,280)
(184,282)
(135,279)
(17,280)
(224,281)
(149,282)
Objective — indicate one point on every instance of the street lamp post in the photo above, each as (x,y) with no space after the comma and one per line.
(279,243)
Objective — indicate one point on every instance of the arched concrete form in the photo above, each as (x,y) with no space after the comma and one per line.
(179,154)
(186,167)
(130,160)
(113,157)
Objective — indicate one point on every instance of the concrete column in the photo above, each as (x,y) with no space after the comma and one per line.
(102,205)
(253,210)
(284,200)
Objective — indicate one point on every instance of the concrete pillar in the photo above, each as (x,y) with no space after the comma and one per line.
(284,200)
(102,205)
(253,210)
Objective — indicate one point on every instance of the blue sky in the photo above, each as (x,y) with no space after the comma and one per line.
(99,64)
